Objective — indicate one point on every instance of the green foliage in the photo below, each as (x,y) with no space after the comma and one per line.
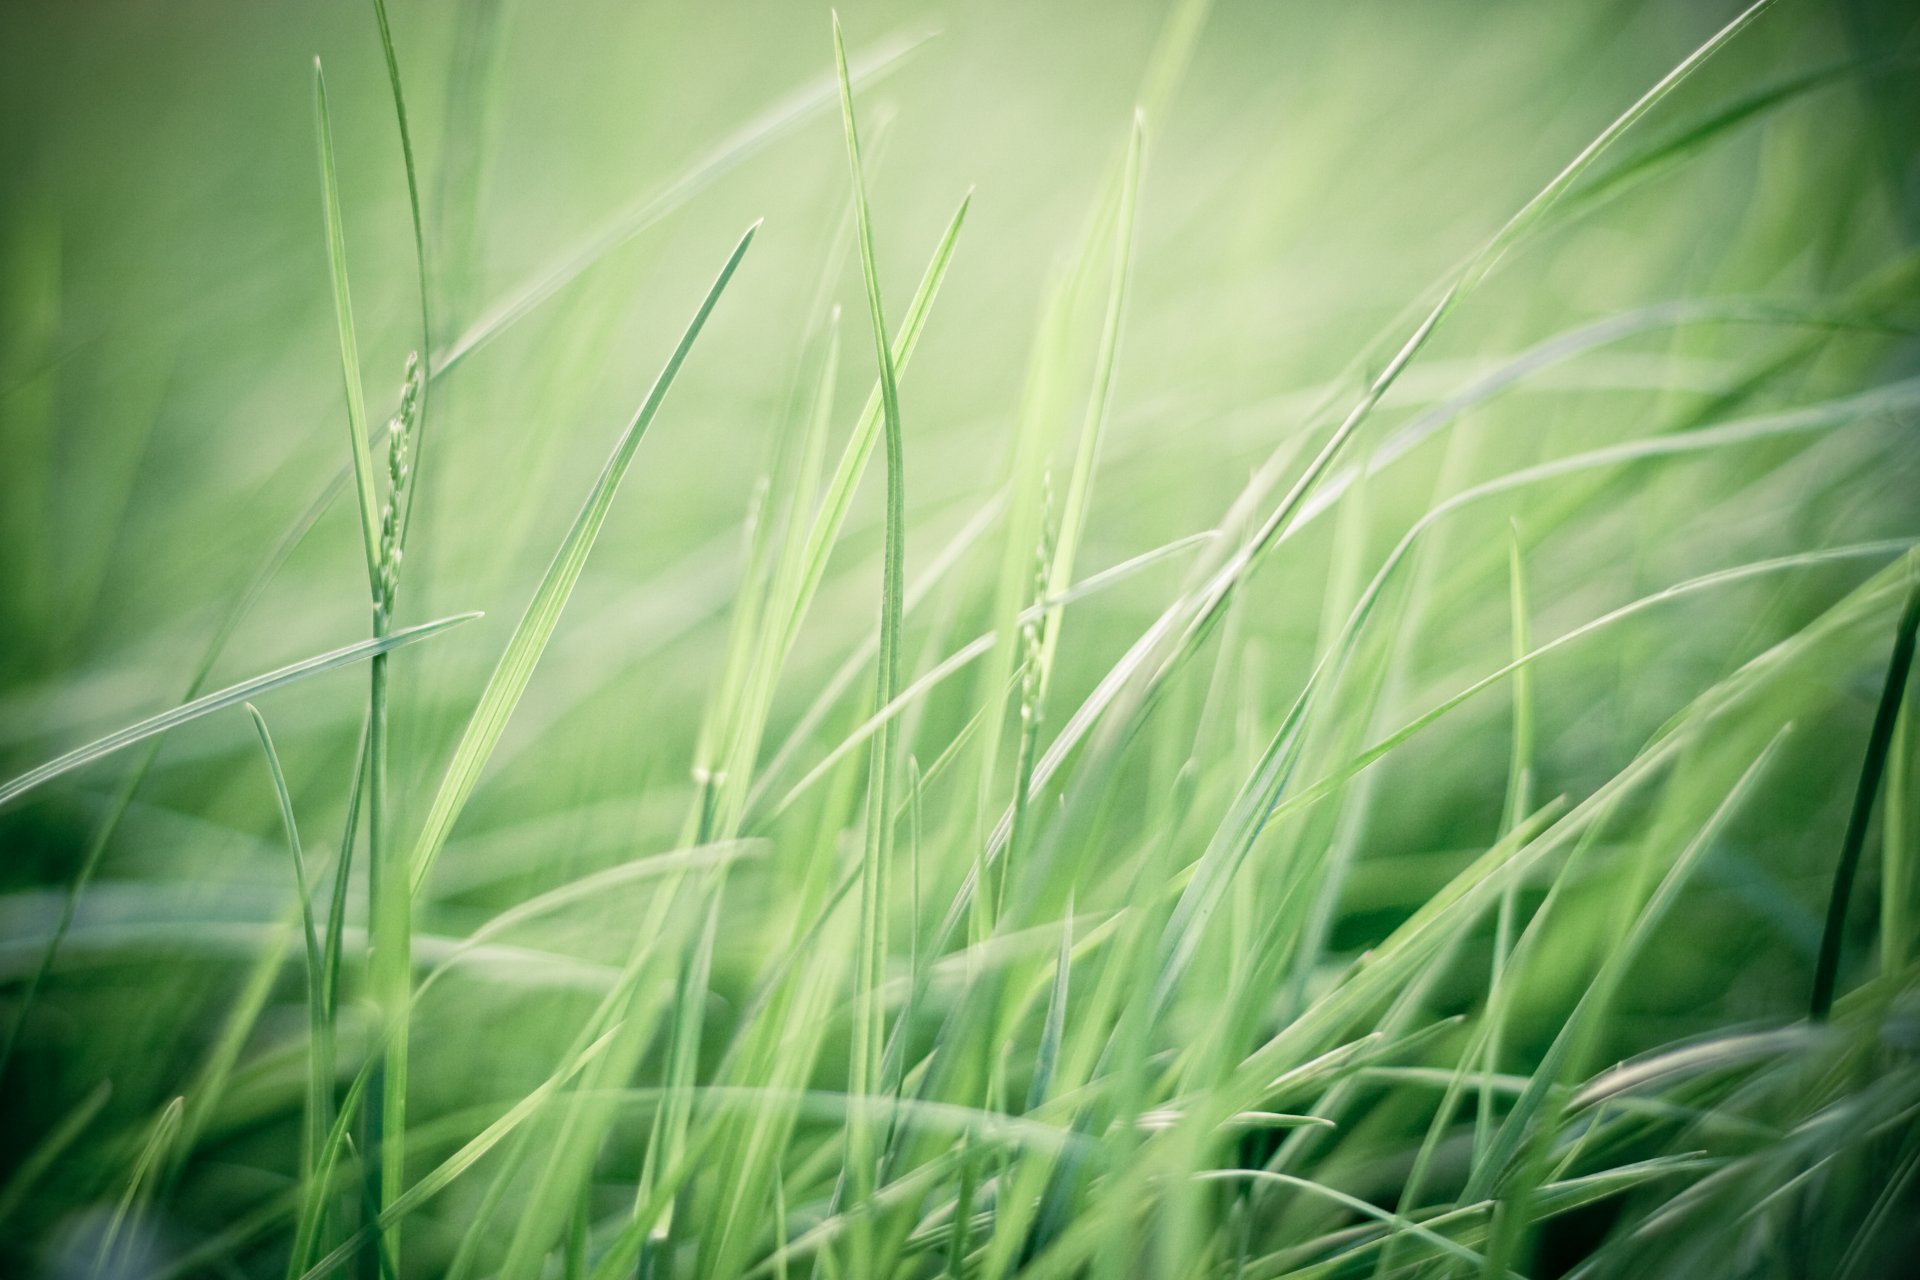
(1370,683)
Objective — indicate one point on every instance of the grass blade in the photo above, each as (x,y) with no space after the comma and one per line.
(349,345)
(515,668)
(764,128)
(419,252)
(870,1015)
(320,1056)
(1879,741)
(219,700)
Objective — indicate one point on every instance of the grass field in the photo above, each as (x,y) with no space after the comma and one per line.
(1236,640)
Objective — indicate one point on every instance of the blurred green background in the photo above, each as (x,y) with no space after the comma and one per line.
(170,403)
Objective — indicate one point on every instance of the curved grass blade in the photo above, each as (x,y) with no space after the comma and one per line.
(764,128)
(123,800)
(320,1056)
(1508,1139)
(838,501)
(1092,584)
(1393,1221)
(232,695)
(449,1170)
(1879,740)
(1073,513)
(1258,802)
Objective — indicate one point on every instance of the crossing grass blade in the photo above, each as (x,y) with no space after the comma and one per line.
(764,128)
(221,699)
(1335,726)
(123,800)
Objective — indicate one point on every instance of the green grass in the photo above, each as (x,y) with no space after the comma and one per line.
(1360,729)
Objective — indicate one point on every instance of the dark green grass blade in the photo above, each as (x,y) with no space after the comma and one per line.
(1879,741)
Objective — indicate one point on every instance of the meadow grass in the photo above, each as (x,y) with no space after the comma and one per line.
(1361,728)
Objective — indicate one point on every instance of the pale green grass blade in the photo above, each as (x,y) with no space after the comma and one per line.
(349,345)
(232,695)
(589,888)
(1079,496)
(1724,577)
(960,658)
(731,152)
(1476,270)
(838,499)
(1191,619)
(419,254)
(310,1219)
(1055,1028)
(1393,1220)
(1518,802)
(529,640)
(864,1071)
(1667,155)
(766,647)
(847,675)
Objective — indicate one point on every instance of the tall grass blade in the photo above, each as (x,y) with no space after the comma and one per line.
(1826,974)
(869,1017)
(530,636)
(363,483)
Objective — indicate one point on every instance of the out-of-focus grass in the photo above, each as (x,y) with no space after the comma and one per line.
(1321,744)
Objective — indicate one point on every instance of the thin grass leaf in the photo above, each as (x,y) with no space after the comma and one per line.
(1520,1122)
(220,700)
(96,850)
(865,1068)
(131,1207)
(530,636)
(778,119)
(419,256)
(1826,974)
(349,346)
(320,1048)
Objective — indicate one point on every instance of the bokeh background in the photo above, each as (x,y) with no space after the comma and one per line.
(170,404)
